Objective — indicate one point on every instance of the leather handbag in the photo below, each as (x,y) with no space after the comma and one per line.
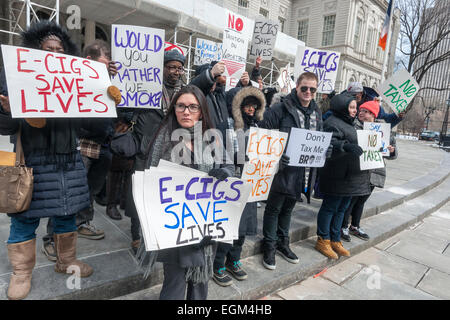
(16,183)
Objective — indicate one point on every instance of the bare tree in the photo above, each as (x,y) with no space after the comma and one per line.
(425,25)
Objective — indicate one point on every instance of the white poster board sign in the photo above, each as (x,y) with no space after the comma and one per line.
(284,80)
(207,51)
(399,90)
(235,45)
(370,142)
(264,36)
(385,131)
(324,63)
(139,54)
(43,84)
(307,148)
(264,150)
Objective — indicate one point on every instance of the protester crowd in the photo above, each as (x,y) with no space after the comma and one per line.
(78,162)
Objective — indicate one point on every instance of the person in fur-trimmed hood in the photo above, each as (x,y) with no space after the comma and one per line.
(247,109)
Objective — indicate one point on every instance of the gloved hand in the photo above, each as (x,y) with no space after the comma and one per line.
(353,148)
(206,241)
(220,174)
(329,152)
(284,162)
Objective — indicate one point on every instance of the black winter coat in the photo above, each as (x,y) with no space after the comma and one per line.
(284,116)
(341,175)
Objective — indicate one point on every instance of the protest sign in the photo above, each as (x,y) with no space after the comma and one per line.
(139,54)
(385,131)
(207,51)
(234,53)
(179,206)
(284,80)
(44,84)
(264,150)
(398,90)
(264,36)
(323,63)
(370,142)
(307,148)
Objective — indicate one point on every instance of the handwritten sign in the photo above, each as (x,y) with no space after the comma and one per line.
(44,84)
(264,36)
(308,148)
(323,63)
(182,206)
(284,80)
(207,51)
(264,150)
(399,90)
(234,46)
(139,53)
(370,142)
(385,131)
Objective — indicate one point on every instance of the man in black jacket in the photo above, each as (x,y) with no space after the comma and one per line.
(296,110)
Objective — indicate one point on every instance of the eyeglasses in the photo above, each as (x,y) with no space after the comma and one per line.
(173,69)
(311,89)
(250,106)
(193,108)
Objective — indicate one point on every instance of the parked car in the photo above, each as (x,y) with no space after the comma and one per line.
(429,135)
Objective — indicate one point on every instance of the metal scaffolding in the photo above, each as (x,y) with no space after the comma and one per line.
(28,10)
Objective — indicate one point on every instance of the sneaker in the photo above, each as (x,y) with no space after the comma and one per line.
(287,254)
(358,232)
(221,278)
(345,235)
(89,231)
(48,248)
(236,270)
(269,259)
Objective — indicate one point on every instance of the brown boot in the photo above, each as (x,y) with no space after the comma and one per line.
(22,256)
(339,248)
(66,248)
(324,247)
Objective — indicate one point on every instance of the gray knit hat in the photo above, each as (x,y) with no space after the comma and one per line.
(174,55)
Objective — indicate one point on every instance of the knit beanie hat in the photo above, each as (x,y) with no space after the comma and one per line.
(372,106)
(174,55)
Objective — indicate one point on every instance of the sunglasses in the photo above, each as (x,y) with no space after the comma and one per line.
(311,89)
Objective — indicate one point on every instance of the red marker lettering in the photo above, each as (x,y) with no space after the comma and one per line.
(96,100)
(62,65)
(45,94)
(41,77)
(19,61)
(86,63)
(46,63)
(80,103)
(24,104)
(64,106)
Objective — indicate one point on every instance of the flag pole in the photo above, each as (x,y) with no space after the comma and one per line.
(388,44)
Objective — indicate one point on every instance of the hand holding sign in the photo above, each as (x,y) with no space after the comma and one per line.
(218,69)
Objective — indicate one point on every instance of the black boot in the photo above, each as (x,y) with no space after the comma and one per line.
(112,212)
(284,250)
(269,255)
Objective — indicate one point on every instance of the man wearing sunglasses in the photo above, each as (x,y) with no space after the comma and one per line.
(297,110)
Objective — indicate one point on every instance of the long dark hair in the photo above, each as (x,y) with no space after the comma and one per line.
(171,120)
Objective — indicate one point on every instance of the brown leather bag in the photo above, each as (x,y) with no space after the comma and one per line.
(16,183)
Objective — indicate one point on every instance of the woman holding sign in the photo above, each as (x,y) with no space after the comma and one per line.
(188,266)
(340,178)
(60,187)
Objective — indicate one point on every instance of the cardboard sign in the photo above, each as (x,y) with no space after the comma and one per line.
(284,80)
(323,63)
(44,84)
(207,51)
(139,54)
(385,131)
(264,150)
(178,206)
(370,142)
(234,46)
(399,90)
(264,36)
(308,148)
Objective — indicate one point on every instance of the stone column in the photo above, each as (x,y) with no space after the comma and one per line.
(89,32)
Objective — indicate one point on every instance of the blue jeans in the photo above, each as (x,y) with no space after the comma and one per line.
(330,217)
(24,229)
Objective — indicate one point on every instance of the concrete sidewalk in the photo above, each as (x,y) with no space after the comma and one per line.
(414,264)
(116,274)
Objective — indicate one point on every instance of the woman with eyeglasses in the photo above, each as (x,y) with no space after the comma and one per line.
(188,267)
